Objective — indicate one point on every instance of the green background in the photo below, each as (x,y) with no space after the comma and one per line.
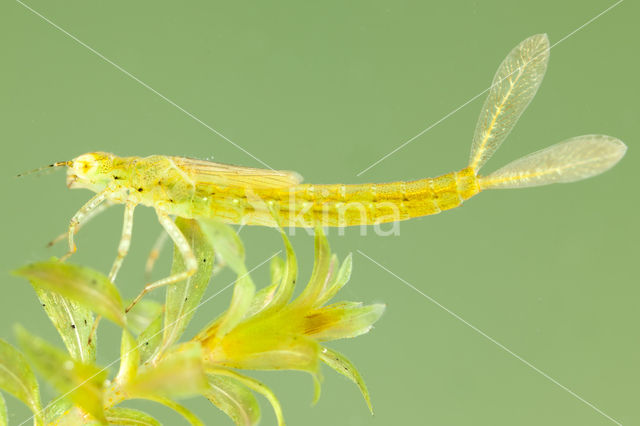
(327,88)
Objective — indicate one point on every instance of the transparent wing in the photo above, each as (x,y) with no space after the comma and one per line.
(228,175)
(574,159)
(513,87)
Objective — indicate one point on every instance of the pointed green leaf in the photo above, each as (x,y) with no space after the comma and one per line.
(82,382)
(266,295)
(276,269)
(17,378)
(73,322)
(226,243)
(184,297)
(243,293)
(184,411)
(142,314)
(179,373)
(288,277)
(229,247)
(320,274)
(56,409)
(343,366)
(341,320)
(331,275)
(3,411)
(130,417)
(317,387)
(150,339)
(235,399)
(255,386)
(239,308)
(86,286)
(259,345)
(341,278)
(283,281)
(270,298)
(129,358)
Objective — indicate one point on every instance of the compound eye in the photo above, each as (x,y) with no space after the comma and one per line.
(85,163)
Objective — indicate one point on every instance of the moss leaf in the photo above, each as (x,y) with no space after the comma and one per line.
(82,382)
(86,286)
(183,297)
(179,373)
(259,345)
(321,272)
(276,270)
(229,247)
(150,338)
(130,417)
(341,320)
(74,323)
(266,295)
(57,409)
(341,278)
(235,399)
(345,367)
(226,243)
(288,277)
(271,298)
(142,314)
(255,386)
(3,411)
(17,378)
(184,411)
(243,293)
(129,358)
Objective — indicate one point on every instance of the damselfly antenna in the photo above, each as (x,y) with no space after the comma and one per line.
(46,168)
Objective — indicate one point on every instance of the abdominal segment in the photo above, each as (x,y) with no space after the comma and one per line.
(309,205)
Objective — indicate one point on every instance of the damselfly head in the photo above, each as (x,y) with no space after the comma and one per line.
(89,170)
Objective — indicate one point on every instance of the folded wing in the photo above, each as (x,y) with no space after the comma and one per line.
(220,174)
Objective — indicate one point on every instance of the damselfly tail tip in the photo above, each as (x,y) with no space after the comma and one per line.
(45,168)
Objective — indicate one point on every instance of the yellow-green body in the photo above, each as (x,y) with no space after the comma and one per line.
(169,184)
(192,188)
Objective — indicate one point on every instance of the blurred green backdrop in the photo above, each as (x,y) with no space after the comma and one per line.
(327,88)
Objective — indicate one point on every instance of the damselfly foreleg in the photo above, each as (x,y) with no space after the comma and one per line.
(95,212)
(79,218)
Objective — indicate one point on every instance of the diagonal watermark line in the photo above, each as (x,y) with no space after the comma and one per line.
(133,77)
(586,23)
(155,334)
(491,339)
(431,126)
